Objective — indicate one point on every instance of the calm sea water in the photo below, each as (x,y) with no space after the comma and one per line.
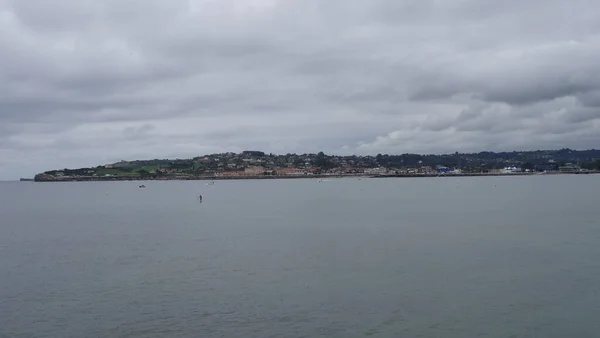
(426,257)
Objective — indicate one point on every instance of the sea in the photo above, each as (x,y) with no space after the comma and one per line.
(440,257)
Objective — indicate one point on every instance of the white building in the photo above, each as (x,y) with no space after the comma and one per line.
(510,170)
(376,171)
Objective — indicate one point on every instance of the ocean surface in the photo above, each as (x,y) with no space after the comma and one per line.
(410,257)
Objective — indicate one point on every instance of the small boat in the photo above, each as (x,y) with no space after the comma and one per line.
(142,186)
(210,183)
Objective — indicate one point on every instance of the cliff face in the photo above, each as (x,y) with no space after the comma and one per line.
(42,178)
(49,178)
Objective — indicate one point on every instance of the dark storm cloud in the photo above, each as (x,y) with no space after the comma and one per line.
(86,82)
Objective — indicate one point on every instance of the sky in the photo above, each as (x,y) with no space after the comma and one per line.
(91,82)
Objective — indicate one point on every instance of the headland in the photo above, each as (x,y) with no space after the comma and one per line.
(259,165)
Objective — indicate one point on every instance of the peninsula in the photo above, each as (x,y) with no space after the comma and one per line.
(259,165)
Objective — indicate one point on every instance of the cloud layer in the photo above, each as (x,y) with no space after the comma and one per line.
(86,82)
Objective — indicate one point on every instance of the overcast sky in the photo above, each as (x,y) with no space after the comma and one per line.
(89,82)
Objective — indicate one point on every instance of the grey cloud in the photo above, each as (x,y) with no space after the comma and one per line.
(542,76)
(590,99)
(86,82)
(582,115)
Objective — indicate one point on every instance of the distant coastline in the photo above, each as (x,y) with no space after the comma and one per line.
(259,165)
(265,177)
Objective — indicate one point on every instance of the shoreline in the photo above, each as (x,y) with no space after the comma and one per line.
(274,177)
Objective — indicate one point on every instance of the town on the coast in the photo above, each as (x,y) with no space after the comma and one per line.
(260,165)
